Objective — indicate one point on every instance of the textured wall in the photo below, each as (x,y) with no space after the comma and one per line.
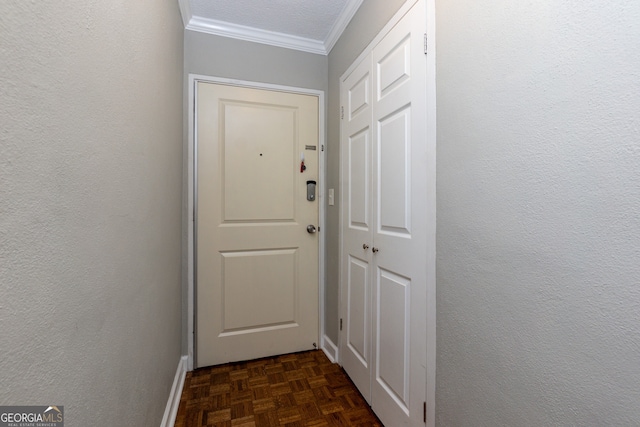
(371,17)
(538,246)
(90,195)
(224,57)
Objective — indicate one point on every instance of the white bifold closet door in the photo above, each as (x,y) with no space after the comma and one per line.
(384,228)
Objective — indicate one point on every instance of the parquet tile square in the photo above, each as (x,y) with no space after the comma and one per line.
(218,389)
(244,422)
(280,388)
(219,416)
(289,415)
(261,391)
(304,396)
(264,405)
(292,390)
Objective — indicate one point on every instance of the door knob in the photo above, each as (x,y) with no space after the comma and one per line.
(311,229)
(365,246)
(375,250)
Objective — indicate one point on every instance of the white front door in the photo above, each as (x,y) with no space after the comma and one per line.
(385,170)
(257,265)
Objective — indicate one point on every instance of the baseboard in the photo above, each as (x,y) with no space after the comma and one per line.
(171,410)
(330,349)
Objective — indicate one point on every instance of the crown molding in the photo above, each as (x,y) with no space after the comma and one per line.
(185,11)
(241,32)
(348,12)
(226,29)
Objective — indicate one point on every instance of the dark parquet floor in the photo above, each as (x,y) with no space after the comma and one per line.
(293,390)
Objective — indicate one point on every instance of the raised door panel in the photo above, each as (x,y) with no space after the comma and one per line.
(392,371)
(394,174)
(358,328)
(359,191)
(264,280)
(253,182)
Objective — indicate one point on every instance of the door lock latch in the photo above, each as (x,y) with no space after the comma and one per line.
(311,191)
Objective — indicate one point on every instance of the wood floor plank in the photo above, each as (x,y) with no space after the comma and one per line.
(293,390)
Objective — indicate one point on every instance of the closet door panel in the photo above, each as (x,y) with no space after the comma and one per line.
(393,203)
(358,328)
(392,365)
(359,175)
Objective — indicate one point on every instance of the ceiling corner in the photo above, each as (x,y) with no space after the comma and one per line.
(341,23)
(185,10)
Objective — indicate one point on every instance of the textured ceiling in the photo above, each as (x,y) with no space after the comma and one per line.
(308,19)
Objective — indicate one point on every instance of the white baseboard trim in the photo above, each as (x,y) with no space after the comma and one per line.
(330,349)
(171,410)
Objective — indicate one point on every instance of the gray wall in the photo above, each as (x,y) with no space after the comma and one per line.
(371,17)
(238,59)
(538,239)
(216,56)
(90,195)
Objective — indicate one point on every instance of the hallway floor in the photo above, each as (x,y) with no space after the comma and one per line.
(293,390)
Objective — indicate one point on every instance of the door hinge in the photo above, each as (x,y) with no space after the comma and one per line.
(340,324)
(425,43)
(341,113)
(424,412)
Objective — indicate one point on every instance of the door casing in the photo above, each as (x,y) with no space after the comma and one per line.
(192,199)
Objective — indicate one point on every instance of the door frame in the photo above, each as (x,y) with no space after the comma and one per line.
(431,140)
(192,187)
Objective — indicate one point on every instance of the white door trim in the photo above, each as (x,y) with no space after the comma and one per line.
(431,213)
(191,197)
